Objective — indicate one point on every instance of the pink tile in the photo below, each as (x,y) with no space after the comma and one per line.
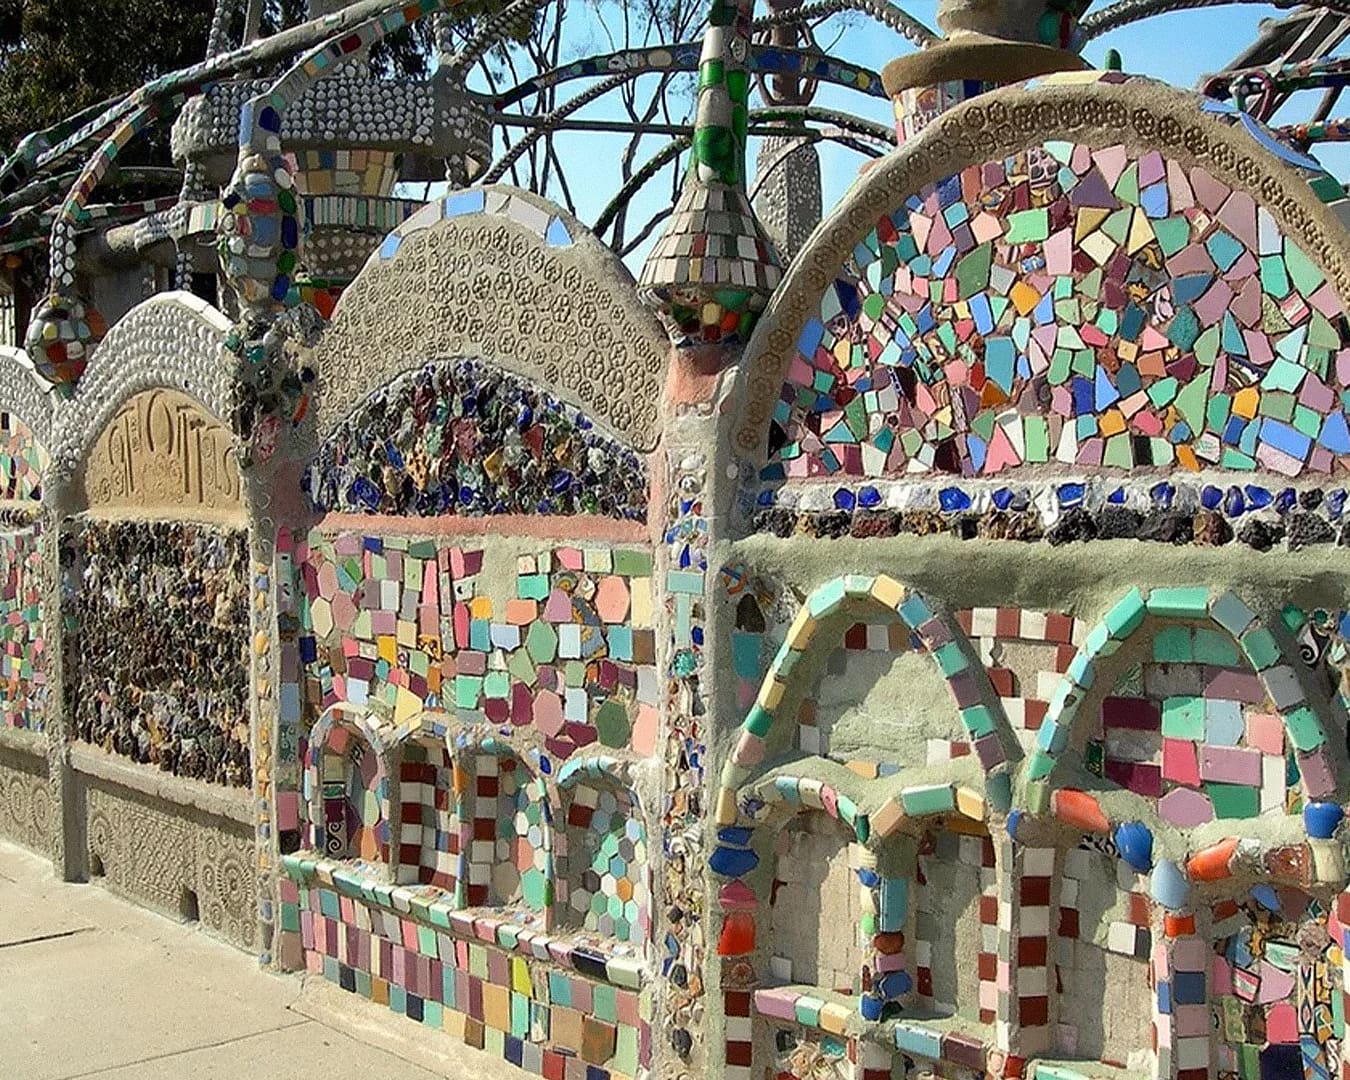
(1282,1024)
(1318,780)
(776,1003)
(1179,765)
(1190,1020)
(1230,765)
(1265,732)
(1185,808)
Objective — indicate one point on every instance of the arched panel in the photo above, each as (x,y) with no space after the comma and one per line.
(1091,276)
(464,437)
(500,274)
(173,341)
(1213,727)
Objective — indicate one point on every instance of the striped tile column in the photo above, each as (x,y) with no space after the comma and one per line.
(1023,965)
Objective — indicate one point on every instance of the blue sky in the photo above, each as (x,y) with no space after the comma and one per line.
(1178,47)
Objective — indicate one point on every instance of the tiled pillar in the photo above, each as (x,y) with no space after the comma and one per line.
(1181,1017)
(1024,1026)
(1342,938)
(891,982)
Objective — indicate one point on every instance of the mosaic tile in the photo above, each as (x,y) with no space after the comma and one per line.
(22,461)
(399,623)
(464,438)
(1070,305)
(23,680)
(161,641)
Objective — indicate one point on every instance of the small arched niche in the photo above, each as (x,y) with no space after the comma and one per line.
(605,887)
(1103,939)
(351,805)
(817,905)
(1190,716)
(954,887)
(505,832)
(429,825)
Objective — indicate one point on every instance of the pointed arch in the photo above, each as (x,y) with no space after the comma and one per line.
(1282,682)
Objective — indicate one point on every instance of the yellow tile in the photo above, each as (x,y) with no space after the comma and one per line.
(970,803)
(802,630)
(771,694)
(888,591)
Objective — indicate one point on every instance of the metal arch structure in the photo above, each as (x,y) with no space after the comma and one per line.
(1307,35)
(26,178)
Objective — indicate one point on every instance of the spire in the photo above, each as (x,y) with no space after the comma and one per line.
(714,267)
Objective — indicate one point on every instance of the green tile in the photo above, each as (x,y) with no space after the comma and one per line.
(759,721)
(604,1002)
(1191,602)
(951,658)
(1216,647)
(1261,648)
(978,721)
(1174,645)
(1305,729)
(936,799)
(1184,718)
(1124,619)
(1234,800)
(807,1010)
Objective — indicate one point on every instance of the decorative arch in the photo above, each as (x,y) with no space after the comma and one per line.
(1135,113)
(25,394)
(350,721)
(1283,683)
(605,876)
(981,713)
(174,341)
(513,280)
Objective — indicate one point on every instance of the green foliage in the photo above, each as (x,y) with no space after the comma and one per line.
(57,57)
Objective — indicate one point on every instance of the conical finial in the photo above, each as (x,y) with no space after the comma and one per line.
(714,268)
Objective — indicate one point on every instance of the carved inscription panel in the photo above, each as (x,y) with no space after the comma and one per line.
(162,450)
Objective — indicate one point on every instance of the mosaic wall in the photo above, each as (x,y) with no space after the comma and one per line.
(23,682)
(465,438)
(22,461)
(1072,305)
(512,996)
(404,624)
(1275,987)
(1194,727)
(159,656)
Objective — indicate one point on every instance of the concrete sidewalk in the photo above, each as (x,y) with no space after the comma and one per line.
(92,986)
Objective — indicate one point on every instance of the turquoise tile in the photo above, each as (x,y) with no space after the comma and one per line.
(1124,618)
(1261,648)
(1190,602)
(936,799)
(1184,718)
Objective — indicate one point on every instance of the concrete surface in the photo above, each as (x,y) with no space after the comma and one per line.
(92,986)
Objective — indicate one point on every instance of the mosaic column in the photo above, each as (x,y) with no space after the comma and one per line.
(1025,1022)
(890,981)
(67,834)
(1180,964)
